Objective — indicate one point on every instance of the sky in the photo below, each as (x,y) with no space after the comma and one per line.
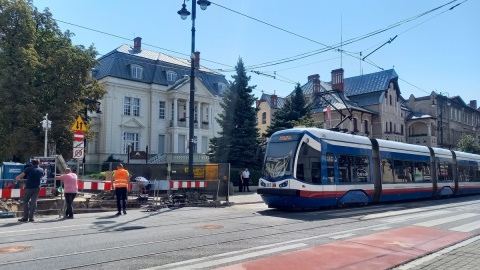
(283,42)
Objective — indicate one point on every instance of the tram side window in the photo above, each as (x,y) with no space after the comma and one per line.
(400,171)
(417,171)
(425,172)
(462,173)
(476,176)
(316,172)
(387,170)
(330,168)
(444,171)
(308,168)
(471,173)
(409,171)
(362,169)
(345,168)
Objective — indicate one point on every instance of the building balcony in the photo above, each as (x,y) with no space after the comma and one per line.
(421,139)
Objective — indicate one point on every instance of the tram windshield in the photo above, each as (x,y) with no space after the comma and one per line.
(279,155)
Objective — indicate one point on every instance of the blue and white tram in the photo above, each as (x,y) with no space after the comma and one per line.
(310,167)
(468,173)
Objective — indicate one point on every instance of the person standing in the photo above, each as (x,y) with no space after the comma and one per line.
(246,179)
(121,180)
(32,188)
(70,188)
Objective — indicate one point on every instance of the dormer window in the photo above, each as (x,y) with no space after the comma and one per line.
(137,71)
(221,88)
(171,76)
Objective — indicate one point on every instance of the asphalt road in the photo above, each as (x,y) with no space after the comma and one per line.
(209,238)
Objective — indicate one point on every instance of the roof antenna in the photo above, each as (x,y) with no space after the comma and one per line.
(341,40)
(360,63)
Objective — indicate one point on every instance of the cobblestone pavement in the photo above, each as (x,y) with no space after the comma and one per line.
(464,255)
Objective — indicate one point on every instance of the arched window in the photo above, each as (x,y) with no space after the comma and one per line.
(264,118)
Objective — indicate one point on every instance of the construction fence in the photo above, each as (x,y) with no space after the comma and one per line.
(168,186)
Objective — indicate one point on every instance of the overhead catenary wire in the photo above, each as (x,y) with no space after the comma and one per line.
(307,54)
(349,41)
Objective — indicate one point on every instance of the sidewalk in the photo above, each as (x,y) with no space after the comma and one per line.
(463,255)
(245,197)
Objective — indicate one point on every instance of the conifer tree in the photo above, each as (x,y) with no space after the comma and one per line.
(239,138)
(294,110)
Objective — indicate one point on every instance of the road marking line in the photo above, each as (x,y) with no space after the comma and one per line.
(262,247)
(364,211)
(49,228)
(234,258)
(382,228)
(417,216)
(336,237)
(432,256)
(440,221)
(392,213)
(467,227)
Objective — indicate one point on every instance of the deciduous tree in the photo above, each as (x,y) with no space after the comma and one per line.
(40,72)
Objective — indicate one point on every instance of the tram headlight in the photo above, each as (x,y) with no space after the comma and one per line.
(263,183)
(283,184)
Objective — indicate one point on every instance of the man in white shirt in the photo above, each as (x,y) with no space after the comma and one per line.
(246,179)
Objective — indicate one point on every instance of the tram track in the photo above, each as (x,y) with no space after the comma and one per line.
(321,216)
(106,229)
(279,229)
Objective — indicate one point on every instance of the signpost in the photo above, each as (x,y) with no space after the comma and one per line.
(78,138)
(79,125)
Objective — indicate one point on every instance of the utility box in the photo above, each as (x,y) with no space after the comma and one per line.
(10,170)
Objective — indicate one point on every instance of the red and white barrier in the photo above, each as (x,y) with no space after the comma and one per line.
(100,186)
(94,185)
(188,184)
(18,193)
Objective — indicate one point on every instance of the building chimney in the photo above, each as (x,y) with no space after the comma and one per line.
(313,77)
(137,43)
(316,85)
(473,104)
(197,59)
(274,100)
(337,79)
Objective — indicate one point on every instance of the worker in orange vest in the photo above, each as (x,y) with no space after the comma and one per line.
(121,180)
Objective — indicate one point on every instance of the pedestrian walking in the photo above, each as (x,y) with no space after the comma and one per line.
(246,180)
(34,174)
(121,180)
(70,187)
(240,182)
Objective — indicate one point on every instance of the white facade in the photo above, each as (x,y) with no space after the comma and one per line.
(153,115)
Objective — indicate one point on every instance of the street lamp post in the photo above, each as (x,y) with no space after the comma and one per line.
(46,124)
(129,146)
(184,14)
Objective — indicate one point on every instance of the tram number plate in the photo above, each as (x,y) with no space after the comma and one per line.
(270,184)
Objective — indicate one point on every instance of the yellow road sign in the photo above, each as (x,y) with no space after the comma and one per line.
(79,124)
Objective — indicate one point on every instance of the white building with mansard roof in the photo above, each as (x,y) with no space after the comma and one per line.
(147,103)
